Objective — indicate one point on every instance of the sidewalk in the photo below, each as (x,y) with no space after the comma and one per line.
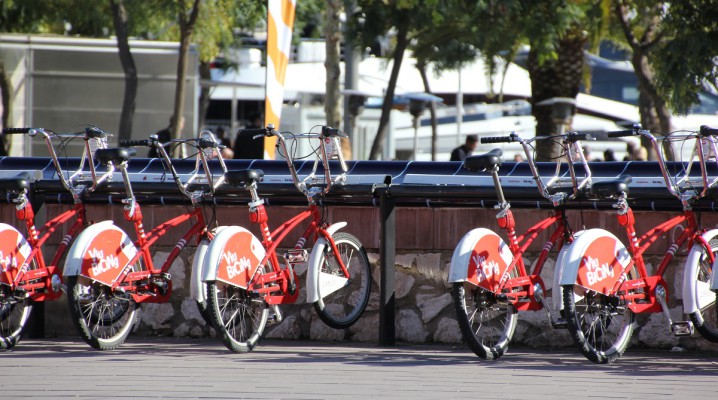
(203,368)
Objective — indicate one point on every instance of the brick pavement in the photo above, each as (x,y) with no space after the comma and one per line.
(202,368)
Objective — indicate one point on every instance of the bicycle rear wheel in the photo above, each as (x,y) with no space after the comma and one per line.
(486,325)
(705,319)
(14,313)
(342,308)
(103,317)
(600,325)
(238,316)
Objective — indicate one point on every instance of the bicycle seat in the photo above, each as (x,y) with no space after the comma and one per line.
(484,161)
(244,177)
(613,188)
(16,184)
(116,155)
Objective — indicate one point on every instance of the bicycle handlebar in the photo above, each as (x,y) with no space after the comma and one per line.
(706,130)
(15,131)
(133,143)
(499,139)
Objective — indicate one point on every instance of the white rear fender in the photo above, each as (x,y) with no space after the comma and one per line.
(14,253)
(196,289)
(556,289)
(595,260)
(313,268)
(481,257)
(232,257)
(698,295)
(100,252)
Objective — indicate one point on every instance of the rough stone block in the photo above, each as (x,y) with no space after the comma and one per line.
(430,305)
(289,328)
(447,331)
(157,316)
(410,328)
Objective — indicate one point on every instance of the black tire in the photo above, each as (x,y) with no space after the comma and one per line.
(706,319)
(343,307)
(601,326)
(238,316)
(14,313)
(204,310)
(103,318)
(486,325)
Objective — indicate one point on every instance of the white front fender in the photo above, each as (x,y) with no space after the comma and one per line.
(699,296)
(78,250)
(315,259)
(196,289)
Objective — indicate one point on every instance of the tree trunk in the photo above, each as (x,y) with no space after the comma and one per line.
(554,78)
(332,101)
(421,66)
(186,25)
(119,16)
(401,44)
(655,114)
(204,74)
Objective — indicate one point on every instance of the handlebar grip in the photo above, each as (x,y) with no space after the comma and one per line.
(328,131)
(497,139)
(706,130)
(627,132)
(574,137)
(95,133)
(255,132)
(130,143)
(12,131)
(208,144)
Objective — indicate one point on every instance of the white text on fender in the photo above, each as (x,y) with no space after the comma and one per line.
(235,265)
(596,272)
(102,264)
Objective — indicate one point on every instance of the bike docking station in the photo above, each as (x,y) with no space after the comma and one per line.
(384,184)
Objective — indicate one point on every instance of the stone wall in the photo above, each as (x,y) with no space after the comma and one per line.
(425,313)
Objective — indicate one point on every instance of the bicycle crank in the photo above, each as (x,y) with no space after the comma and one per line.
(678,328)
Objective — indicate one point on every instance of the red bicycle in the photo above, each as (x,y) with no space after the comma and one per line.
(606,283)
(108,274)
(244,274)
(26,277)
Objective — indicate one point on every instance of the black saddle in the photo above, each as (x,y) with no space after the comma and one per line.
(484,161)
(16,184)
(611,189)
(244,177)
(116,155)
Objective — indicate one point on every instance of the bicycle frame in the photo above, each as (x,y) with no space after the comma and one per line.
(151,284)
(646,300)
(44,276)
(271,240)
(530,285)
(691,235)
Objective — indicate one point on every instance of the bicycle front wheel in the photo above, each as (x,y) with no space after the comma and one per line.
(486,325)
(103,317)
(600,325)
(238,316)
(14,313)
(705,319)
(342,308)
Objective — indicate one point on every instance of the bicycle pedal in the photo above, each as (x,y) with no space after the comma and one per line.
(682,328)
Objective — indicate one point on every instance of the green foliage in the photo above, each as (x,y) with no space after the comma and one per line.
(685,59)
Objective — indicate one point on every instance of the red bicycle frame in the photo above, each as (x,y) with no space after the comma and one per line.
(275,285)
(522,286)
(638,246)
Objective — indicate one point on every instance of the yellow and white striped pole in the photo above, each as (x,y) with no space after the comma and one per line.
(280,19)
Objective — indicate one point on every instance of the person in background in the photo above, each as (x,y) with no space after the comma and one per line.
(609,155)
(164,136)
(248,147)
(227,151)
(518,157)
(465,150)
